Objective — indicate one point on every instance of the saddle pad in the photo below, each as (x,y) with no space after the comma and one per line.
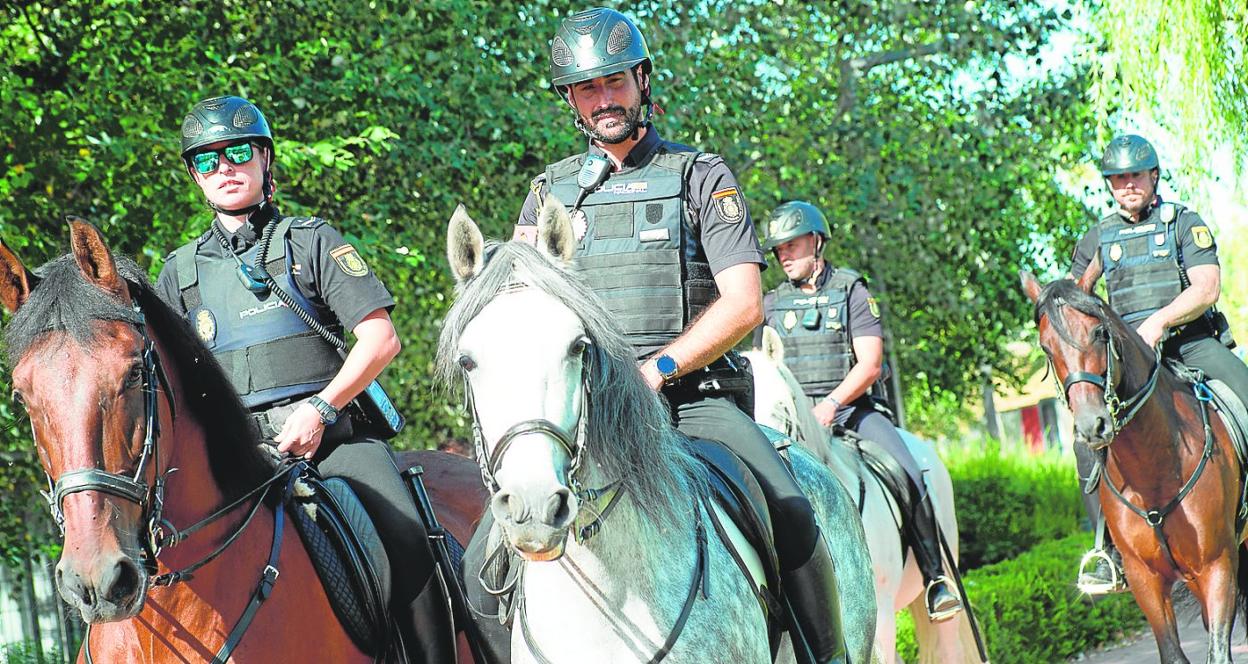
(735,489)
(1234,415)
(346,551)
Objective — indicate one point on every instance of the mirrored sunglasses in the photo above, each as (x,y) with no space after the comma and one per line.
(207,162)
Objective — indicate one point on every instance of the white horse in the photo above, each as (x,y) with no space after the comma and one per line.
(780,403)
(572,441)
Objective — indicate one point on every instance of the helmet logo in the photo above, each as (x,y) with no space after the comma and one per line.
(245,116)
(214,104)
(620,38)
(1141,153)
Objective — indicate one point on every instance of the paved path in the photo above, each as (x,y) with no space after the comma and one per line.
(1142,649)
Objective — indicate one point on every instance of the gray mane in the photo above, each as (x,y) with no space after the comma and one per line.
(629,435)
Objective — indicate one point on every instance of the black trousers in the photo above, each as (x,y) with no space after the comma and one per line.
(719,418)
(1215,360)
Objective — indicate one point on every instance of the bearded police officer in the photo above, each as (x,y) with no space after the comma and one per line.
(230,283)
(834,344)
(1160,265)
(666,241)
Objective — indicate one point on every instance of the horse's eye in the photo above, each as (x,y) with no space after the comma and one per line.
(135,377)
(467,363)
(579,346)
(18,400)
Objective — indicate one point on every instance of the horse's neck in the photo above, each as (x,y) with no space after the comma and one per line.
(1157,440)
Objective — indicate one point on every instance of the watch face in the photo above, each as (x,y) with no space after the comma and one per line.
(666,365)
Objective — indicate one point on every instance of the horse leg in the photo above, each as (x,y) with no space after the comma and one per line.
(886,632)
(1152,594)
(1216,590)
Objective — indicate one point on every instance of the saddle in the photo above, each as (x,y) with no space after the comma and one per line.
(347,554)
(1228,405)
(884,469)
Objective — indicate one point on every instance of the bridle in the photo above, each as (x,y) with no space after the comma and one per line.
(132,487)
(1121,411)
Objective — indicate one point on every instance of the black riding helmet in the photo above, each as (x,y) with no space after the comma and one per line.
(227,119)
(598,42)
(1128,154)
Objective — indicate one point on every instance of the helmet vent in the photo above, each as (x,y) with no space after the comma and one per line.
(560,53)
(619,39)
(214,104)
(191,127)
(245,116)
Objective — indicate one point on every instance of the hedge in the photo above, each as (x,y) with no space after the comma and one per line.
(1008,502)
(1030,611)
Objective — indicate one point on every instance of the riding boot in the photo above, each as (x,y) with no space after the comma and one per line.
(487,610)
(942,603)
(425,623)
(816,601)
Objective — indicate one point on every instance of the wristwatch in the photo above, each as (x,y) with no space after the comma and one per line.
(834,401)
(329,414)
(667,367)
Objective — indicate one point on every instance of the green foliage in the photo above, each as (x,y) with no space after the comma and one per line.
(1012,598)
(1010,501)
(898,119)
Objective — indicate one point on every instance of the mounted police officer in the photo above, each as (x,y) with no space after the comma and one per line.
(241,285)
(1160,265)
(834,344)
(667,242)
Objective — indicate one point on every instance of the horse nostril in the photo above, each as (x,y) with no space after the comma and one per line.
(558,508)
(124,582)
(513,507)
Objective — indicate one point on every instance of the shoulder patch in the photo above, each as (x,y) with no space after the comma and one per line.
(729,204)
(1202,237)
(349,261)
(873,306)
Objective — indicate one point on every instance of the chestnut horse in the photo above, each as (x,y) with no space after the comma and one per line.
(1170,483)
(141,435)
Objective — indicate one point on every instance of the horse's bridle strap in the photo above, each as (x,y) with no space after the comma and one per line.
(94,479)
(542,426)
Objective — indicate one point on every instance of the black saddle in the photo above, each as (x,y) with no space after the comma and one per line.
(348,556)
(884,469)
(1229,405)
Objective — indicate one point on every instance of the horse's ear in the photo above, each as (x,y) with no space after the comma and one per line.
(16,281)
(554,230)
(773,345)
(1031,286)
(94,259)
(465,247)
(1091,273)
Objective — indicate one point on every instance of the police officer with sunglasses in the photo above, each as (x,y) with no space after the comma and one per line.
(241,285)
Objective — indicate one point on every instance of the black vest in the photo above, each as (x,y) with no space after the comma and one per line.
(267,351)
(638,252)
(1141,262)
(818,348)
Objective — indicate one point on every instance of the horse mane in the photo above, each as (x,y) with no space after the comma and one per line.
(629,435)
(64,301)
(1065,292)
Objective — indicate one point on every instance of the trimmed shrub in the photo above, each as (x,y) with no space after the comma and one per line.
(1010,501)
(1030,612)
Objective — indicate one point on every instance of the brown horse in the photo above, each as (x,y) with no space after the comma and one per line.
(141,435)
(1171,483)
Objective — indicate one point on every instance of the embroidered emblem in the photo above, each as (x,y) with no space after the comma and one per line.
(580,224)
(1202,236)
(205,325)
(728,201)
(1115,252)
(349,261)
(790,319)
(873,306)
(1159,239)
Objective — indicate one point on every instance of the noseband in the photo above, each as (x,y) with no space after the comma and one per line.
(1120,411)
(130,487)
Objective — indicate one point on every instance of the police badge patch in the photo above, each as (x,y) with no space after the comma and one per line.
(728,202)
(873,306)
(1202,237)
(790,319)
(349,261)
(1115,252)
(205,325)
(580,224)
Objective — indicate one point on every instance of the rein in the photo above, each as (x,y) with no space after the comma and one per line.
(1105,381)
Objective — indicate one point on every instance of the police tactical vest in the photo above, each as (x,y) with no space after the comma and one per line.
(266,350)
(1141,262)
(634,248)
(818,348)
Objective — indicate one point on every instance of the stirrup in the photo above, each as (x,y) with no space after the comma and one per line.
(941,616)
(1088,585)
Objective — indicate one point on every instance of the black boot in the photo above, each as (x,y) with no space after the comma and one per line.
(426,625)
(816,601)
(942,603)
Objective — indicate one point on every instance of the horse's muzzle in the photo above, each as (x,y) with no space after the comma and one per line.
(536,526)
(112,589)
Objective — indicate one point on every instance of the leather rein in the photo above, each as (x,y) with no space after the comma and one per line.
(160,533)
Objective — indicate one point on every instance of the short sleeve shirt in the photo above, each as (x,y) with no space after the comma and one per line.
(1192,233)
(316,249)
(725,242)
